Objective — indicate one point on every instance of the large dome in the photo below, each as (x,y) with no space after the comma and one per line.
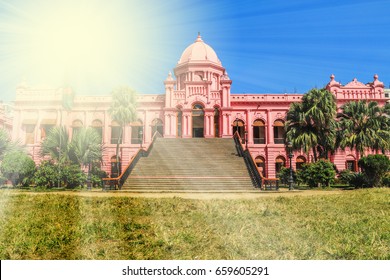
(199,52)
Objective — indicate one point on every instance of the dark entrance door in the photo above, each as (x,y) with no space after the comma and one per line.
(197,121)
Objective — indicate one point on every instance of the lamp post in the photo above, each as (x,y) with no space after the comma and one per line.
(290,156)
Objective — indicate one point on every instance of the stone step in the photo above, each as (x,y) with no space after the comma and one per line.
(190,164)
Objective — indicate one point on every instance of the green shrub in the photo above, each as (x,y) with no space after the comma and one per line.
(51,175)
(346,176)
(97,175)
(18,168)
(320,173)
(72,176)
(284,175)
(375,168)
(386,180)
(359,180)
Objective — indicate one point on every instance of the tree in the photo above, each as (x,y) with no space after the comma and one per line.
(6,145)
(123,110)
(57,145)
(375,168)
(364,125)
(311,124)
(17,167)
(87,147)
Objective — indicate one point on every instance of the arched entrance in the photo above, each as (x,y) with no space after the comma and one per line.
(197,121)
(115,167)
(260,163)
(239,125)
(157,126)
(301,160)
(280,162)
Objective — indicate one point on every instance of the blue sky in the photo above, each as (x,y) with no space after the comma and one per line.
(265,46)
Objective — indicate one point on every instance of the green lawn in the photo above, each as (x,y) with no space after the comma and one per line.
(351,225)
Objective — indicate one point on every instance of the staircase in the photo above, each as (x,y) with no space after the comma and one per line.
(196,164)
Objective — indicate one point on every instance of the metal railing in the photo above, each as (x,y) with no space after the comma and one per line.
(249,162)
(257,177)
(117,182)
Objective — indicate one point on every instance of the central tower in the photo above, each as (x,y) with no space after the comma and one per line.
(195,101)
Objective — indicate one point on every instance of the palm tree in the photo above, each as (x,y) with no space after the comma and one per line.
(311,124)
(123,110)
(87,147)
(4,142)
(364,125)
(56,146)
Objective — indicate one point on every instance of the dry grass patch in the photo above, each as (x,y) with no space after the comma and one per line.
(351,225)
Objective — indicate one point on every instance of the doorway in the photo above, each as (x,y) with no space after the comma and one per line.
(197,121)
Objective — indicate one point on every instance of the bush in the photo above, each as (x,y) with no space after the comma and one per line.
(3,180)
(346,176)
(375,168)
(359,180)
(320,173)
(49,174)
(386,180)
(18,168)
(284,175)
(72,176)
(97,175)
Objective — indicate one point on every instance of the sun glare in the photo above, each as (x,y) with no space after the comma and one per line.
(77,43)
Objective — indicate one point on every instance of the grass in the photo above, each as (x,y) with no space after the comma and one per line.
(351,225)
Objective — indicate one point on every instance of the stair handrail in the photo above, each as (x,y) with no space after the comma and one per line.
(257,177)
(249,161)
(118,182)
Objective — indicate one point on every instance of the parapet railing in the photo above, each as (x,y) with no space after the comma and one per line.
(117,182)
(257,178)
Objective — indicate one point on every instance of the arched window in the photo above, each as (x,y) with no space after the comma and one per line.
(260,163)
(115,133)
(280,161)
(279,132)
(76,126)
(97,125)
(351,163)
(258,132)
(239,125)
(137,132)
(301,160)
(157,126)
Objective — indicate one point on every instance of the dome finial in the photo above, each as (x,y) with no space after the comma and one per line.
(199,38)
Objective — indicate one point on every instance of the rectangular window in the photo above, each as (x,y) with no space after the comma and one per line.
(136,134)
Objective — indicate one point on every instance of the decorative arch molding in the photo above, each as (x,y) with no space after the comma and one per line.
(260,116)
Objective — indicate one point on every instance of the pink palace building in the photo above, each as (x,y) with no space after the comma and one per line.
(197,103)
